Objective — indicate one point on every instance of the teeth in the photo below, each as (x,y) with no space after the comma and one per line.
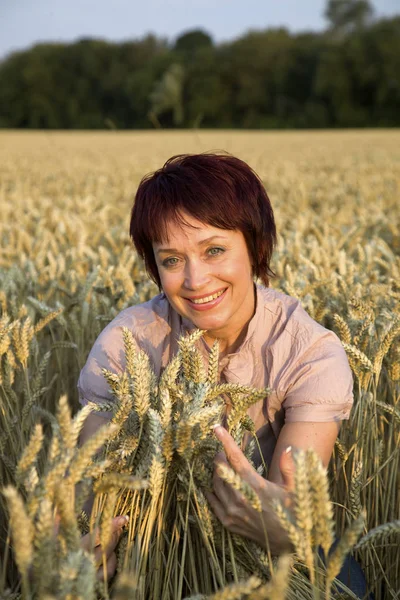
(208,298)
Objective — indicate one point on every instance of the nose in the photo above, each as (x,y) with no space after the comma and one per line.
(196,275)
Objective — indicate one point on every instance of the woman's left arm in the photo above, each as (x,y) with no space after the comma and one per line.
(302,435)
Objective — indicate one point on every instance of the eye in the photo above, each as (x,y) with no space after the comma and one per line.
(170,262)
(215,251)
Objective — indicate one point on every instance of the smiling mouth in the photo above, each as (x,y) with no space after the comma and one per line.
(207,298)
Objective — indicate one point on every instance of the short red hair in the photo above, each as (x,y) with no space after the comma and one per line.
(216,189)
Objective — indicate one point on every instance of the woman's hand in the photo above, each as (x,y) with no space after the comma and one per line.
(233,510)
(117,525)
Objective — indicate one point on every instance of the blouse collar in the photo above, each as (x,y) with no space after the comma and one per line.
(187,326)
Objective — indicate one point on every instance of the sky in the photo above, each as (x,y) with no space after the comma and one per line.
(26,22)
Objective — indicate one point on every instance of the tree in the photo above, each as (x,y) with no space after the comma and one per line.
(345,16)
(189,42)
(167,95)
(264,79)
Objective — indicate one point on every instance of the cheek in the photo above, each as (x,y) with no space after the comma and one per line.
(237,270)
(169,282)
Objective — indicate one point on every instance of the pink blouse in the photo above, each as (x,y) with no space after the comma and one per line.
(284,349)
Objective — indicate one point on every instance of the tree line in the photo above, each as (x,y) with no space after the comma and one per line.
(346,76)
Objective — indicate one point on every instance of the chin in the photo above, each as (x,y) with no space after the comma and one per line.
(208,324)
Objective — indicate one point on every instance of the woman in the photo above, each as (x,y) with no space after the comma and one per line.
(204,226)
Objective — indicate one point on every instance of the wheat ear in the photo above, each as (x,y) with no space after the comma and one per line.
(22,531)
(344,545)
(276,589)
(213,360)
(323,519)
(44,543)
(233,479)
(236,591)
(378,534)
(303,506)
(30,453)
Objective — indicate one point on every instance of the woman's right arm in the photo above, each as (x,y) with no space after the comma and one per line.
(91,425)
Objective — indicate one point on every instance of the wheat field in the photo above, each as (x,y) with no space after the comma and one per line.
(67,268)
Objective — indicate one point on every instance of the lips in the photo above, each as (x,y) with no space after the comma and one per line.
(204,299)
(206,302)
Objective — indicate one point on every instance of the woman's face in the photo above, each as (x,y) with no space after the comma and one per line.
(206,275)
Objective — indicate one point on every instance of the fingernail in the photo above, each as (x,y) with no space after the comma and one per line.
(288,450)
(217,427)
(123,520)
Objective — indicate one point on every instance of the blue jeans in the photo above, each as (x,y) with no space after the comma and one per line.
(352,576)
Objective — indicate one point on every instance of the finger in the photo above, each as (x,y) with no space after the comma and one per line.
(57,521)
(221,514)
(216,505)
(119,522)
(287,468)
(117,525)
(110,567)
(235,456)
(92,539)
(109,550)
(231,499)
(221,488)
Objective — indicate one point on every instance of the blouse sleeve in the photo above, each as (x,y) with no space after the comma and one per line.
(107,353)
(321,384)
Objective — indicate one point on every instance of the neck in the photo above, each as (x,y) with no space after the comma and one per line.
(230,342)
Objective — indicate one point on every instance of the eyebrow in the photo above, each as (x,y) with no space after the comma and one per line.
(202,243)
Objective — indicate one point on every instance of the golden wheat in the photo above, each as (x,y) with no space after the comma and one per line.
(67,268)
